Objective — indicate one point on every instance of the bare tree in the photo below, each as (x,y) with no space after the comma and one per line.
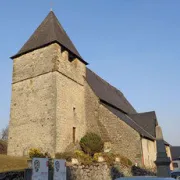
(4,133)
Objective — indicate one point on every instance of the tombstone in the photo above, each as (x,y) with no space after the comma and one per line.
(59,169)
(162,161)
(40,169)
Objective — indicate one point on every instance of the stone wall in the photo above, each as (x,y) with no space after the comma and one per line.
(14,175)
(92,110)
(33,103)
(97,171)
(32,123)
(102,171)
(70,112)
(35,63)
(70,107)
(124,139)
(149,152)
(47,101)
(93,172)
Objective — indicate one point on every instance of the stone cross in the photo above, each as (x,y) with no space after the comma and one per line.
(51,3)
(162,161)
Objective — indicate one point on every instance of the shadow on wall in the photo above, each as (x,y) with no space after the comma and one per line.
(12,175)
(137,171)
(116,173)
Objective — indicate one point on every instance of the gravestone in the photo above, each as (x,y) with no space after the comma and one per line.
(59,169)
(40,169)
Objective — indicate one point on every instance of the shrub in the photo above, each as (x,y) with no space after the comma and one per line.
(91,143)
(3,147)
(96,155)
(36,153)
(83,158)
(109,158)
(65,155)
(125,161)
(130,162)
(79,155)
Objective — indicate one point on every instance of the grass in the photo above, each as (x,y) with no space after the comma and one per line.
(9,163)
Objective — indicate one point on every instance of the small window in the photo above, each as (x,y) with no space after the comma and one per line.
(74,109)
(175,165)
(74,134)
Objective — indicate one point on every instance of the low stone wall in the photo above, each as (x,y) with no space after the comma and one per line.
(102,171)
(16,175)
(96,171)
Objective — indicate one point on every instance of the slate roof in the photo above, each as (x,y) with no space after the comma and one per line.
(129,121)
(108,93)
(147,121)
(114,101)
(49,31)
(175,152)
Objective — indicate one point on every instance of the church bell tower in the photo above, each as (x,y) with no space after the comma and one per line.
(47,105)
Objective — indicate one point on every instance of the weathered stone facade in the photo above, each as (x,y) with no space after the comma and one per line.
(149,152)
(33,104)
(124,139)
(47,101)
(50,98)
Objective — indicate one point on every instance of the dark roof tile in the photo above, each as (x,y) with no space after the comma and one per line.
(147,121)
(114,101)
(108,93)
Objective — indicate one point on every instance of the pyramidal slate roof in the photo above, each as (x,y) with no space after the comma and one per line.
(108,93)
(49,31)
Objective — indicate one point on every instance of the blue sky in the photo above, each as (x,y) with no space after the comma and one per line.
(133,44)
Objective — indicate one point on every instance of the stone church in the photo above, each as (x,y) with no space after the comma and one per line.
(56,99)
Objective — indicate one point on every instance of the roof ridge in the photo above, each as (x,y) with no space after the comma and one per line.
(144,113)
